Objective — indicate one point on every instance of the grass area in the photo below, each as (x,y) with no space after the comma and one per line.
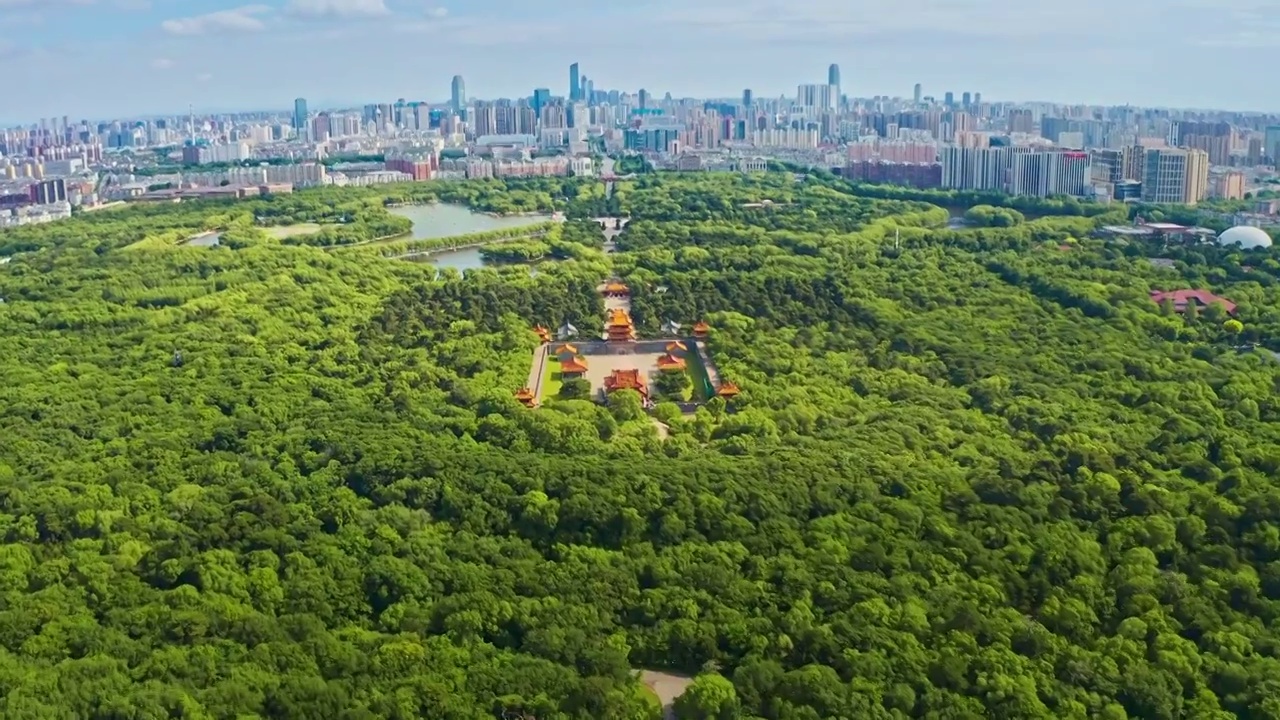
(702,390)
(551,379)
(651,695)
(281,232)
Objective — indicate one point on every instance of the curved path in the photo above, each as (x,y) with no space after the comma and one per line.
(667,687)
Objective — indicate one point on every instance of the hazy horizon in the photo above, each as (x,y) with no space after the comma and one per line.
(100,59)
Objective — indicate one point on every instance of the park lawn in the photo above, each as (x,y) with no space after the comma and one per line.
(281,232)
(552,379)
(697,373)
(651,695)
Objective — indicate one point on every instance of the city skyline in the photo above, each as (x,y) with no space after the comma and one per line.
(219,56)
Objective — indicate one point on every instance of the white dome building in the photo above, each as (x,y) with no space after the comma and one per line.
(1246,236)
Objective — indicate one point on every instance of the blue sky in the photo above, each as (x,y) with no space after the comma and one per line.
(115,58)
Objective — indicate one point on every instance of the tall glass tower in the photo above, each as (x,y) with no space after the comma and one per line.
(458,94)
(300,114)
(575,88)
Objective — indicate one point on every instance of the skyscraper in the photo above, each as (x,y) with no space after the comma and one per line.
(458,94)
(966,99)
(833,75)
(300,115)
(541,99)
(919,92)
(1271,143)
(583,83)
(949,99)
(644,99)
(575,89)
(747,100)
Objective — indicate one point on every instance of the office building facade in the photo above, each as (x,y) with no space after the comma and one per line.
(1175,175)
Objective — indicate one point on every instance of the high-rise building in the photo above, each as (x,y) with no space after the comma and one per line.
(977,98)
(1055,172)
(575,87)
(966,99)
(643,99)
(541,98)
(300,115)
(49,192)
(833,79)
(817,97)
(1175,175)
(747,100)
(457,94)
(1271,143)
(978,168)
(949,99)
(919,93)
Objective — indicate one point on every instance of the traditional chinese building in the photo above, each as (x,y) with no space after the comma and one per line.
(677,348)
(573,367)
(728,390)
(543,333)
(626,380)
(620,327)
(670,362)
(700,330)
(565,351)
(616,289)
(525,396)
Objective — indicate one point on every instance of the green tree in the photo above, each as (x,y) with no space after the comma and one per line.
(709,697)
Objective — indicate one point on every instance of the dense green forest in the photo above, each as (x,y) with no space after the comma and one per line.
(973,473)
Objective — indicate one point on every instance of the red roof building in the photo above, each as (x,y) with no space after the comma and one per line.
(626,380)
(670,362)
(573,366)
(525,397)
(1181,298)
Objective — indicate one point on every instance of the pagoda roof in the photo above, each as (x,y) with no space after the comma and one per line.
(701,326)
(629,379)
(524,394)
(728,389)
(670,362)
(616,286)
(676,345)
(574,364)
(567,348)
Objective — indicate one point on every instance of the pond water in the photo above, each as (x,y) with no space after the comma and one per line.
(441,220)
(205,240)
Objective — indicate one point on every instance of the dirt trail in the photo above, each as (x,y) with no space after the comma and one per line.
(667,687)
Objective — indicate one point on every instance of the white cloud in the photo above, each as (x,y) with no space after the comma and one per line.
(162,63)
(438,12)
(49,4)
(241,19)
(204,77)
(337,8)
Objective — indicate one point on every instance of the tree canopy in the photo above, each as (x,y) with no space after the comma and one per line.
(972,472)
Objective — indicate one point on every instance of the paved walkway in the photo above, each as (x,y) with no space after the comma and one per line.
(537,371)
(713,372)
(667,687)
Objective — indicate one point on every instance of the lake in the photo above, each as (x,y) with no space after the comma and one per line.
(442,220)
(209,239)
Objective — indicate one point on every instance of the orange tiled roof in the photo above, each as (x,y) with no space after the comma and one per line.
(574,364)
(670,362)
(625,380)
(728,389)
